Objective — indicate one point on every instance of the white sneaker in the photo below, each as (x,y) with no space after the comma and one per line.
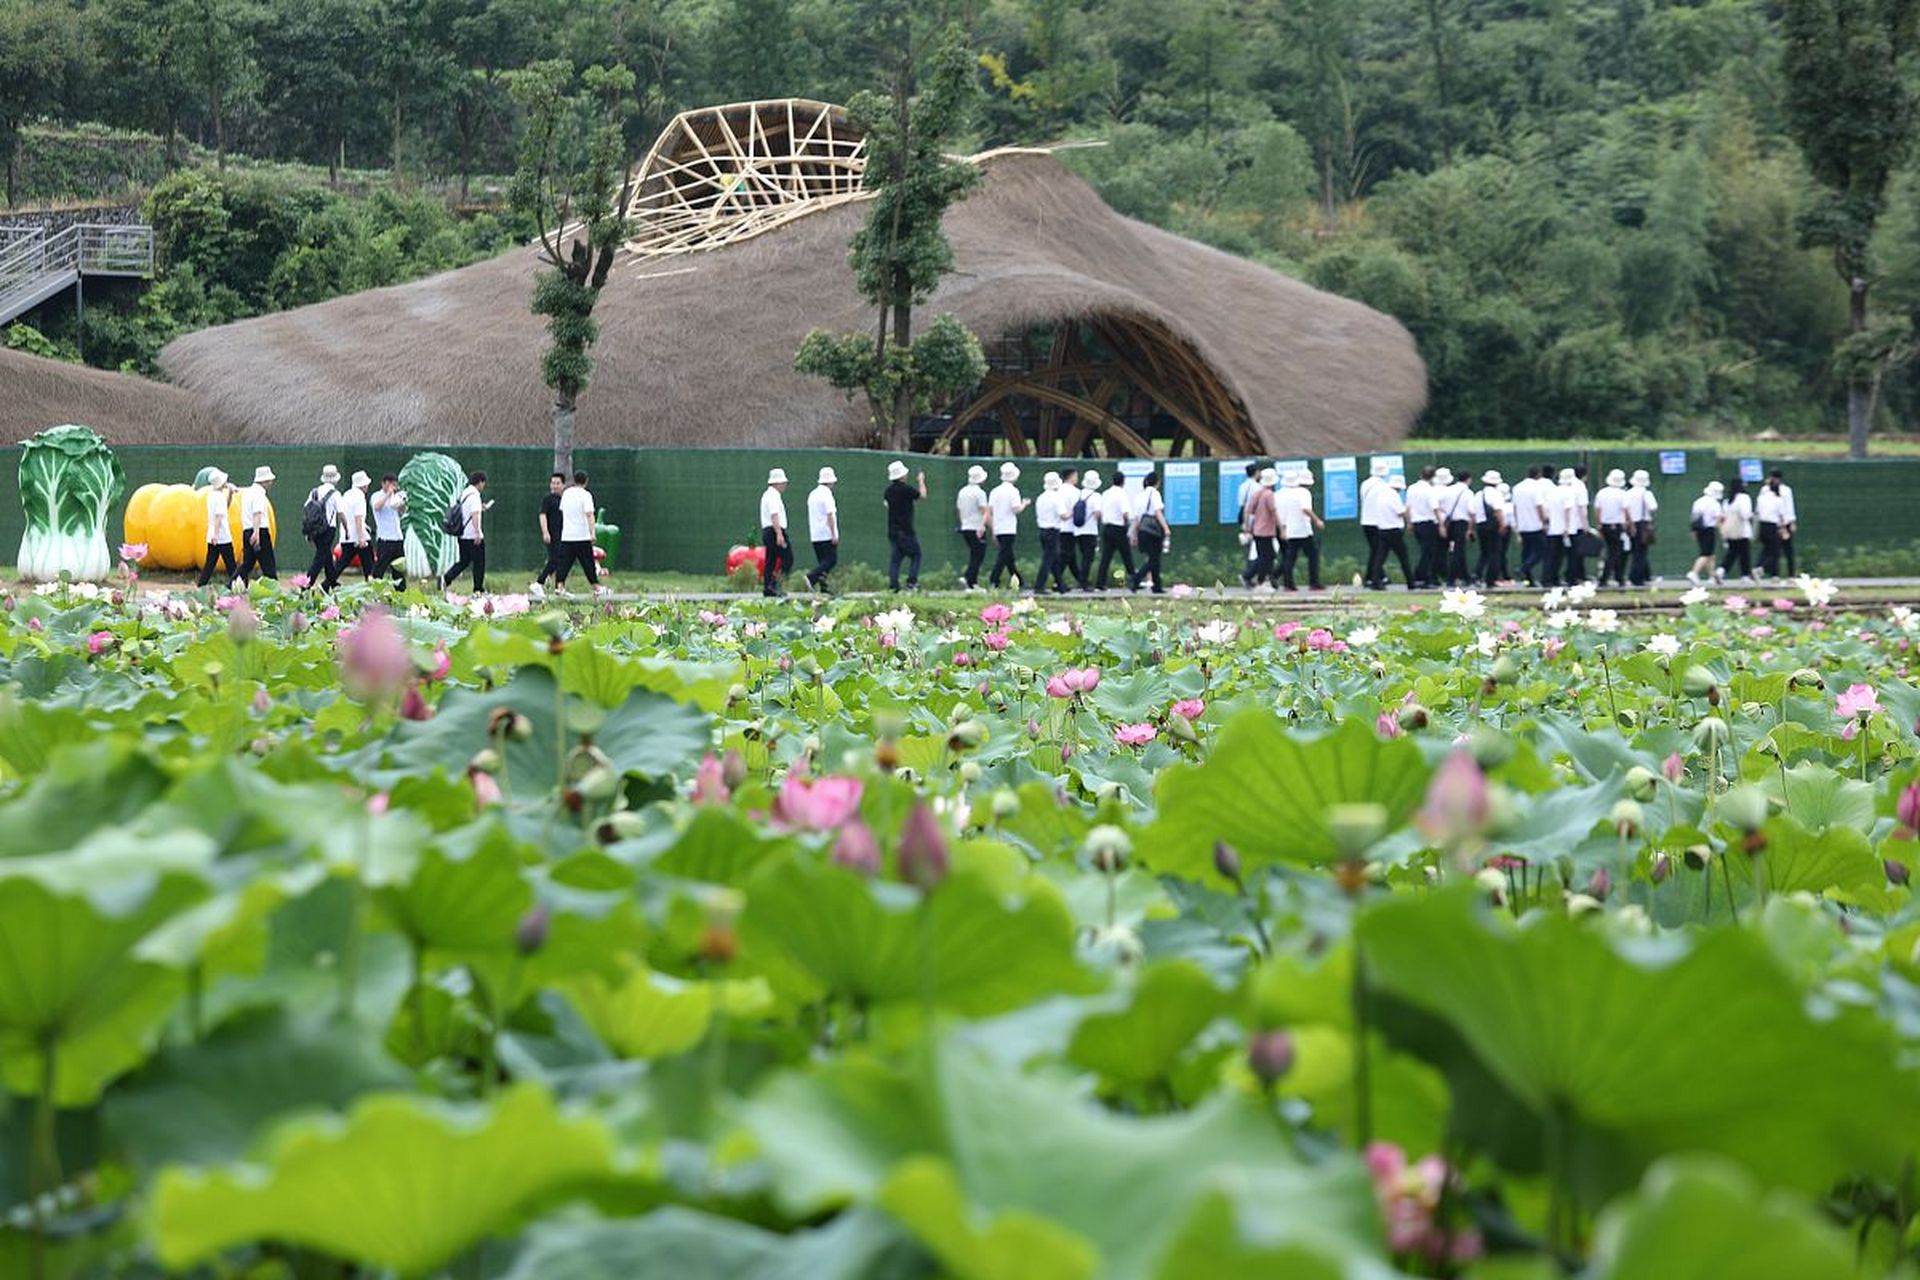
(1693,577)
(536,592)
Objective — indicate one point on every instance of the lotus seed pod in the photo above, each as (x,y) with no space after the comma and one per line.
(1745,808)
(1641,783)
(1355,828)
(1108,848)
(1490,747)
(969,772)
(1710,733)
(1413,716)
(1698,856)
(1697,681)
(1627,818)
(736,694)
(1006,804)
(1506,669)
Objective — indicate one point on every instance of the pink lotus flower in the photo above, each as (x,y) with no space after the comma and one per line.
(1551,649)
(710,782)
(1285,630)
(98,643)
(888,640)
(713,619)
(819,805)
(375,661)
(486,791)
(1760,632)
(1180,590)
(1673,768)
(996,641)
(1082,681)
(963,659)
(378,803)
(413,704)
(1190,708)
(1782,605)
(299,581)
(856,849)
(1857,703)
(133,552)
(1134,735)
(1734,604)
(261,702)
(995,614)
(1057,687)
(1387,724)
(442,663)
(1458,803)
(1320,640)
(1409,1197)
(330,614)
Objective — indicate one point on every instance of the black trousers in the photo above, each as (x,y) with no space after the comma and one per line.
(1151,545)
(1003,563)
(1428,568)
(1290,556)
(580,552)
(1770,547)
(1113,537)
(1457,551)
(976,554)
(1051,565)
(1089,544)
(351,552)
(317,572)
(905,547)
(1393,542)
(1493,554)
(778,564)
(1639,572)
(1573,563)
(1613,554)
(1553,554)
(1372,535)
(473,554)
(256,556)
(1533,554)
(221,551)
(551,569)
(825,556)
(1741,550)
(393,559)
(1264,549)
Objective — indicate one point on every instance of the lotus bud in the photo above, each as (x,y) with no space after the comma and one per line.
(1269,1055)
(1907,807)
(733,769)
(1710,733)
(1005,804)
(1745,808)
(1506,669)
(1697,681)
(1457,804)
(1226,861)
(1641,783)
(1033,729)
(1897,872)
(297,622)
(531,933)
(1627,818)
(1600,884)
(969,771)
(923,849)
(856,849)
(1673,768)
(1108,848)
(243,624)
(786,663)
(1413,716)
(487,760)
(1661,869)
(624,824)
(1066,752)
(598,783)
(967,735)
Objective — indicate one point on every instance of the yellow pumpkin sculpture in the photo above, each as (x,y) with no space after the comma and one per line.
(172,520)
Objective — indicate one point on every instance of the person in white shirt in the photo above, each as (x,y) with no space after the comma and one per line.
(1493,516)
(1453,520)
(577,512)
(1610,514)
(823,529)
(1376,479)
(1152,533)
(1736,533)
(774,543)
(1072,496)
(1530,522)
(1778,521)
(1248,487)
(1086,530)
(1047,518)
(1704,519)
(1004,506)
(1116,527)
(1426,533)
(356,538)
(1577,501)
(970,505)
(1384,513)
(473,534)
(1641,508)
(1299,526)
(319,519)
(256,531)
(390,539)
(219,528)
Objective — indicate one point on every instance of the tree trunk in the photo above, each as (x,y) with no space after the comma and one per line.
(900,438)
(11,176)
(563,406)
(1860,389)
(396,135)
(173,141)
(219,134)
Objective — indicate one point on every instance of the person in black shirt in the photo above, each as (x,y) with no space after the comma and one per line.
(900,497)
(550,530)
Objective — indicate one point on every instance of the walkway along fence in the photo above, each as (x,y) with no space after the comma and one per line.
(680,509)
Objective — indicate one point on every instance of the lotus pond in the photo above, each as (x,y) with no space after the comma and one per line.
(403,937)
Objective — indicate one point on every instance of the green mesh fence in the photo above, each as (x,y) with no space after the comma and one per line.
(681,509)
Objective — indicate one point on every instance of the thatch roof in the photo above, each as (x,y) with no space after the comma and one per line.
(698,350)
(36,394)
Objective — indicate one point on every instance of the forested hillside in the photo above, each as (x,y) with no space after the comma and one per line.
(1586,210)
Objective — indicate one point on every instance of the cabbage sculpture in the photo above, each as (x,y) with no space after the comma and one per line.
(432,481)
(69,480)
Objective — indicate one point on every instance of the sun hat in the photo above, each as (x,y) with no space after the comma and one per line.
(1443,476)
(216,478)
(896,470)
(976,475)
(1381,467)
(1396,482)
(1616,478)
(1091,480)
(361,479)
(776,476)
(1268,479)
(1714,489)
(827,476)
(1009,472)
(1641,479)
(1491,476)
(1304,476)
(262,475)
(329,474)
(1566,475)
(1051,480)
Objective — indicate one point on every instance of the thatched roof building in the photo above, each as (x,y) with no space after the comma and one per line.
(1102,332)
(36,393)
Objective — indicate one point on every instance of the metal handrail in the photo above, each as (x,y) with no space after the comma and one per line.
(30,258)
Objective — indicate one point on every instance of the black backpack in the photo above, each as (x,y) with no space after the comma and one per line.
(1080,512)
(454,523)
(313,517)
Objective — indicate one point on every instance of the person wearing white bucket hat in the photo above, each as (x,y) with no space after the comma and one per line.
(356,539)
(1260,520)
(823,530)
(1004,506)
(902,539)
(774,543)
(1494,527)
(1047,519)
(219,528)
(1086,528)
(970,504)
(1641,507)
(1610,515)
(1299,526)
(256,529)
(1385,513)
(1704,520)
(1072,505)
(320,522)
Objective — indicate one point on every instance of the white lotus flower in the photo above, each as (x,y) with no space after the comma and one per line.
(1060,627)
(898,621)
(1665,645)
(1553,599)
(823,624)
(1465,602)
(1361,637)
(1904,618)
(1581,592)
(1217,632)
(1698,595)
(1603,620)
(1487,642)
(1818,591)
(1561,619)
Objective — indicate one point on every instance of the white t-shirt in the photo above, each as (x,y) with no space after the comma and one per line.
(1737,512)
(972,507)
(1706,512)
(1046,509)
(1067,495)
(1115,507)
(773,509)
(1152,504)
(1475,508)
(821,508)
(1090,527)
(1789,514)
(1450,503)
(1247,490)
(330,500)
(1295,503)
(386,515)
(1493,502)
(1611,506)
(1419,501)
(1557,500)
(1770,507)
(1577,508)
(471,505)
(219,526)
(254,508)
(576,514)
(1526,506)
(1380,507)
(1641,504)
(353,517)
(1004,506)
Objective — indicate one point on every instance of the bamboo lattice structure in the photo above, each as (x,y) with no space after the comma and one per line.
(721,175)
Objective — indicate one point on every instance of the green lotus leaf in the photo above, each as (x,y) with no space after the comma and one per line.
(400,1182)
(652,1015)
(1139,1041)
(681,1244)
(1703,1219)
(1265,790)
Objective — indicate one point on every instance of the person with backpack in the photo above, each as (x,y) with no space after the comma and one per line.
(465,520)
(356,539)
(1073,505)
(256,528)
(319,517)
(1086,528)
(390,539)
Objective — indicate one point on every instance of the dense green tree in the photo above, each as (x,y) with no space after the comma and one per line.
(314,71)
(140,47)
(217,41)
(39,43)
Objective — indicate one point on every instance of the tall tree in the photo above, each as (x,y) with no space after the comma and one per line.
(219,49)
(39,40)
(141,46)
(582,214)
(1852,108)
(900,253)
(314,72)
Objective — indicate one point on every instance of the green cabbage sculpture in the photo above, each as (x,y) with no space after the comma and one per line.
(432,480)
(69,480)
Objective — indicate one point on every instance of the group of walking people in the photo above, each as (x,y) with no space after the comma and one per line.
(1726,518)
(1278,525)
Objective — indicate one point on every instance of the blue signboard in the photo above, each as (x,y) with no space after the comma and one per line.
(1181,480)
(1396,464)
(1673,462)
(1752,471)
(1232,475)
(1343,488)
